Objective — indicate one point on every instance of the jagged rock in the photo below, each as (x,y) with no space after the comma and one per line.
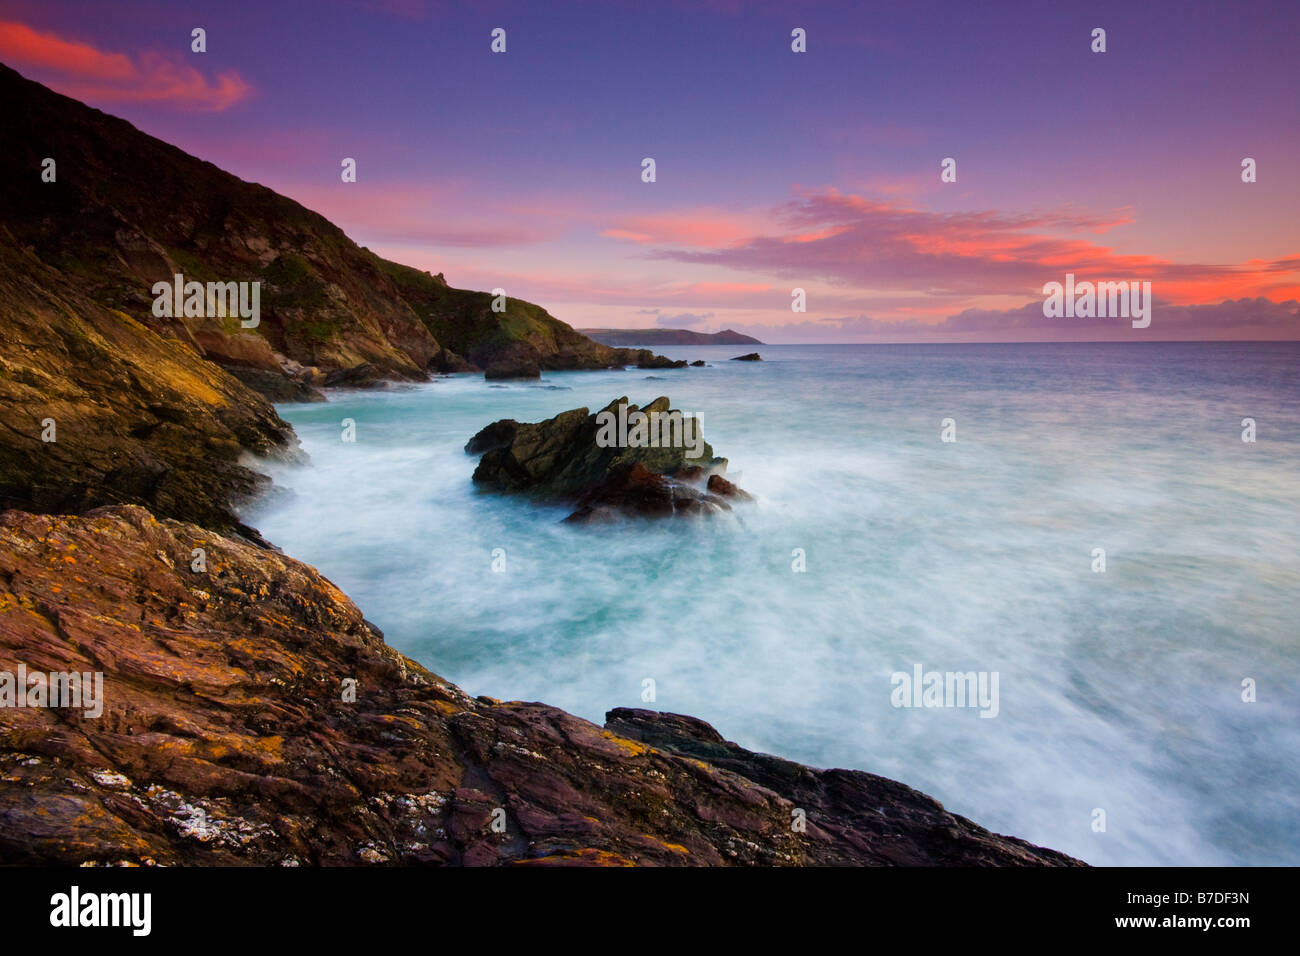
(358,376)
(721,486)
(448,362)
(276,386)
(647,359)
(497,435)
(632,489)
(227,737)
(560,460)
(517,361)
(750,357)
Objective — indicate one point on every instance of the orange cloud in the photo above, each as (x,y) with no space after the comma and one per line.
(82,71)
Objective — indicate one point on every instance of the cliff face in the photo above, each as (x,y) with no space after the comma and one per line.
(227,738)
(127,210)
(96,409)
(521,341)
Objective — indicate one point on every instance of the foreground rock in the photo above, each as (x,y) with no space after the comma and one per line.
(226,739)
(749,357)
(562,459)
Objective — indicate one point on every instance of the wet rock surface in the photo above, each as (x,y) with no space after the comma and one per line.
(227,738)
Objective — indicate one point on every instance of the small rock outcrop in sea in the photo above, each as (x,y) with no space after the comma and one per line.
(748,357)
(565,459)
(515,361)
(252,716)
(448,362)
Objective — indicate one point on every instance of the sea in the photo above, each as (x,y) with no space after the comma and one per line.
(1084,521)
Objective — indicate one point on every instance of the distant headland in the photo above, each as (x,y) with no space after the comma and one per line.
(628,337)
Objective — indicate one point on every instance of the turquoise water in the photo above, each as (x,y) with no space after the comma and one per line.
(1118,690)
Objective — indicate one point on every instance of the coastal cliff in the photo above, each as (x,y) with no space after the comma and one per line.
(126,210)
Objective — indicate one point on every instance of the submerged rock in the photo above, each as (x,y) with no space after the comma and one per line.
(603,465)
(750,357)
(252,716)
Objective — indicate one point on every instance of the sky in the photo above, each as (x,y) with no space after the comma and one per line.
(774,170)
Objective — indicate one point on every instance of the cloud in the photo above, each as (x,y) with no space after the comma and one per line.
(850,241)
(431,215)
(87,73)
(705,228)
(1235,319)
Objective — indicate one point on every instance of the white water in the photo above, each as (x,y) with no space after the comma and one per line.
(1119,691)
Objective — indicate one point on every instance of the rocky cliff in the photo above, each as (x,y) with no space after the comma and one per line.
(97,409)
(126,210)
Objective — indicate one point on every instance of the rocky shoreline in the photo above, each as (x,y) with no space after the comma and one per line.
(255,717)
(252,714)
(230,738)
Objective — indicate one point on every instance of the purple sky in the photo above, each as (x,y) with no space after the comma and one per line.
(775,170)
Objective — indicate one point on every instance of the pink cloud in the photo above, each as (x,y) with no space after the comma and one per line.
(599,288)
(87,73)
(1230,320)
(698,228)
(413,213)
(847,240)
